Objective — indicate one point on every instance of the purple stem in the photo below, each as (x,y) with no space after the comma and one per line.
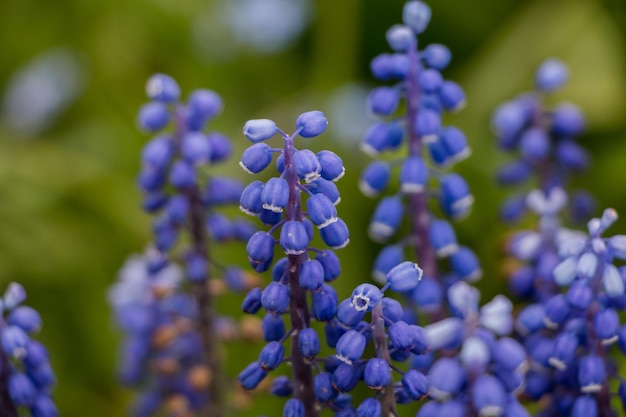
(298,307)
(205,324)
(420,216)
(388,398)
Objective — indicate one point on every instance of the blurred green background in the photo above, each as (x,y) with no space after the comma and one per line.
(72,77)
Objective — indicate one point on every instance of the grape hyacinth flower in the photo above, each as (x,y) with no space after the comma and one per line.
(483,369)
(26,377)
(569,336)
(305,272)
(543,142)
(185,198)
(431,148)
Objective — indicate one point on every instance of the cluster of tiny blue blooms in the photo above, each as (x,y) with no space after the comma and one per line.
(427,96)
(162,350)
(26,377)
(171,327)
(569,336)
(543,142)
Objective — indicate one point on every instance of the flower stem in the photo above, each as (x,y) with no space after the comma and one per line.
(299,314)
(387,399)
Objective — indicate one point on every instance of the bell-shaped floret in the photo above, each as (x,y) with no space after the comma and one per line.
(489,396)
(258,130)
(456,199)
(260,250)
(328,188)
(567,120)
(195,148)
(416,15)
(365,297)
(153,116)
(348,315)
(374,178)
(324,303)
(534,144)
(336,234)
(404,277)
(331,165)
(382,137)
(551,75)
(351,346)
(413,175)
(275,194)
(386,219)
(250,377)
(294,238)
(452,96)
(387,258)
(163,88)
(330,263)
(465,263)
(321,210)
(256,158)
(446,378)
(307,165)
(442,238)
(311,124)
(271,356)
(308,343)
(591,374)
(383,101)
(377,374)
(455,143)
(311,275)
(275,298)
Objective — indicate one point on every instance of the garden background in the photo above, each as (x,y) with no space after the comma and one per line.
(72,76)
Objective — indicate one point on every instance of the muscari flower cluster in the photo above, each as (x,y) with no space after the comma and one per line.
(569,336)
(543,142)
(185,198)
(482,369)
(426,96)
(26,377)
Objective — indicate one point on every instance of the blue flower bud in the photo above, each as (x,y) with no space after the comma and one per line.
(455,143)
(351,346)
(386,218)
(271,356)
(308,343)
(330,263)
(585,406)
(402,336)
(455,199)
(324,390)
(336,234)
(489,396)
(606,326)
(446,377)
(404,277)
(324,303)
(275,194)
(428,124)
(346,377)
(382,137)
(475,353)
(258,130)
(294,238)
(311,275)
(444,333)
(496,315)
(312,123)
(197,267)
(328,188)
(509,354)
(202,106)
(565,272)
(591,374)
(332,168)
(572,156)
(383,101)
(282,386)
(375,178)
(161,87)
(551,75)
(370,407)
(388,66)
(306,165)
(436,56)
(260,250)
(508,120)
(43,406)
(514,173)
(377,373)
(36,355)
(387,258)
(21,389)
(42,377)
(256,158)
(153,116)
(465,263)
(415,384)
(221,147)
(567,120)
(534,144)
(222,191)
(416,15)
(150,180)
(612,281)
(250,377)
(250,201)
(14,341)
(195,148)
(182,175)
(348,315)
(242,229)
(413,175)
(452,96)
(400,38)
(293,408)
(177,210)
(442,238)
(158,153)
(579,295)
(25,317)
(321,210)
(165,235)
(252,303)
(273,327)
(564,350)
(275,298)
(428,295)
